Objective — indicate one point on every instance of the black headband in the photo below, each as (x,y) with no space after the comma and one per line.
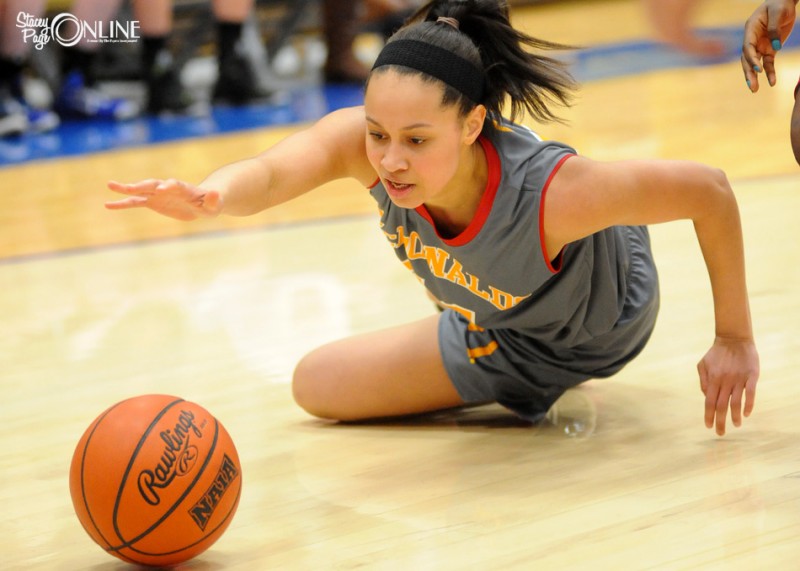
(437,62)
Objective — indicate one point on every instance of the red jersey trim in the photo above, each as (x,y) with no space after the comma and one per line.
(485,205)
(374,184)
(555,265)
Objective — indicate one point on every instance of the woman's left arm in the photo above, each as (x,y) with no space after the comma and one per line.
(586,196)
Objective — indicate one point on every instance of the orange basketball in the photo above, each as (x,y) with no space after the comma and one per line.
(155,480)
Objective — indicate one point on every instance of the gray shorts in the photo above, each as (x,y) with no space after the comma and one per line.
(526,375)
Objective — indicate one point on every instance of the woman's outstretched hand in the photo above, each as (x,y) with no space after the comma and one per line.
(170,197)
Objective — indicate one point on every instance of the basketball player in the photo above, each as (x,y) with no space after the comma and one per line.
(539,257)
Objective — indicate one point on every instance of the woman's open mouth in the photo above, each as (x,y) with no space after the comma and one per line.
(397,189)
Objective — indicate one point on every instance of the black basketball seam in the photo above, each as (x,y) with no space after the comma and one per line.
(205,536)
(83,486)
(134,454)
(130,543)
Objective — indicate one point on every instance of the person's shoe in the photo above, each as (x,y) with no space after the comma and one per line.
(77,99)
(166,94)
(13,117)
(237,83)
(41,120)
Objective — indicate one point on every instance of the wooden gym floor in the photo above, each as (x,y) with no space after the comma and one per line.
(99,306)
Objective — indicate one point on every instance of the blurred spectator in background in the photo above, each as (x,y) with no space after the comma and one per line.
(16,116)
(237,83)
(343,20)
(672,23)
(236,80)
(77,94)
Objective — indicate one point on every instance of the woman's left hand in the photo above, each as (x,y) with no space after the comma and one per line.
(728,370)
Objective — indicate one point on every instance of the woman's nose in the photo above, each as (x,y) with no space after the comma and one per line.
(393,159)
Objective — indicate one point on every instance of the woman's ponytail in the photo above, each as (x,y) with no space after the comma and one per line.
(479,32)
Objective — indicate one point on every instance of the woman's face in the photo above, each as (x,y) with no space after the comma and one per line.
(415,144)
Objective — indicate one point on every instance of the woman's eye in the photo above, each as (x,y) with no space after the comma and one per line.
(417,140)
(375,135)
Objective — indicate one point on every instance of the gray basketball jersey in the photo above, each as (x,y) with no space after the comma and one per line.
(496,273)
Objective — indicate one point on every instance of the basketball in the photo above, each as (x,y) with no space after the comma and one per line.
(155,480)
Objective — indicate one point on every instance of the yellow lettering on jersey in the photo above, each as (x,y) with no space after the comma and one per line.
(438,261)
(436,258)
(414,249)
(400,240)
(456,275)
(474,287)
(505,300)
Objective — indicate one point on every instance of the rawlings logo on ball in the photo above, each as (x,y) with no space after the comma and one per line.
(178,459)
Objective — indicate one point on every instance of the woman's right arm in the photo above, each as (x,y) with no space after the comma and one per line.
(332,148)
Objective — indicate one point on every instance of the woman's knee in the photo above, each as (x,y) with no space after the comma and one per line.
(311,383)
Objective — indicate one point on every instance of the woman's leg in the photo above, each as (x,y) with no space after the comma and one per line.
(394,372)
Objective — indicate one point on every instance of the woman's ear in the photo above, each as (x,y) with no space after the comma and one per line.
(473,124)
